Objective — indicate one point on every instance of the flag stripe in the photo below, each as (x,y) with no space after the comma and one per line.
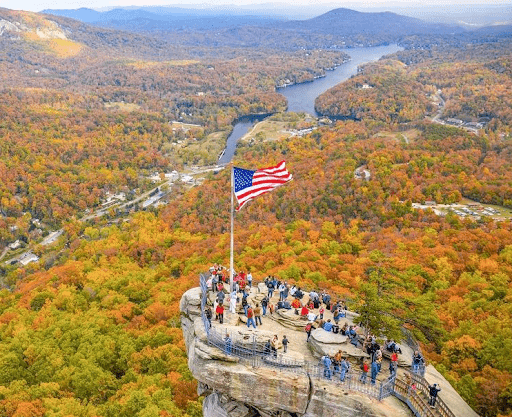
(262,181)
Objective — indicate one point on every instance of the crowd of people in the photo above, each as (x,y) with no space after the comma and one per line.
(312,310)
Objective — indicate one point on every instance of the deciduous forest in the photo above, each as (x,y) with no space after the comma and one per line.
(93,328)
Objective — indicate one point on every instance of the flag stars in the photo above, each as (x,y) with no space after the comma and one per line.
(243,178)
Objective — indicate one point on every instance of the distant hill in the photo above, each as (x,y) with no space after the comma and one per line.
(66,37)
(220,27)
(157,19)
(348,22)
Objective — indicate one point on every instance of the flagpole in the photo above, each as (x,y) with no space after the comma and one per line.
(231,269)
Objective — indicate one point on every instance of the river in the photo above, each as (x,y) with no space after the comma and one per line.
(301,97)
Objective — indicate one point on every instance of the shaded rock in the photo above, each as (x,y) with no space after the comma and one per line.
(217,406)
(327,343)
(190,303)
(262,387)
(328,399)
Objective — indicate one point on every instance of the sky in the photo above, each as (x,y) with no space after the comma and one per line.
(38,5)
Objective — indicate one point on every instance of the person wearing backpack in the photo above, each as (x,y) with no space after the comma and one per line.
(264,304)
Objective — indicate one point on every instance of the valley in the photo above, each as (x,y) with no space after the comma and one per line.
(113,199)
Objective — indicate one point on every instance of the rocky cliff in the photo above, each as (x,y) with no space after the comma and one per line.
(238,389)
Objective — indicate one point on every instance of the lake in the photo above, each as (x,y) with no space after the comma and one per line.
(301,97)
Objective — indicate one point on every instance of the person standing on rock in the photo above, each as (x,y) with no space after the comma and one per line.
(285,344)
(264,304)
(417,362)
(257,314)
(327,362)
(250,317)
(274,345)
(220,312)
(208,313)
(364,373)
(282,288)
(344,366)
(270,287)
(393,364)
(375,371)
(249,279)
(308,329)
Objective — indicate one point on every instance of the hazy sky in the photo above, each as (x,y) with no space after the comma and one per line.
(38,5)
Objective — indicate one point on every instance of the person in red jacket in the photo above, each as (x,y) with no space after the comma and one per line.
(364,373)
(220,312)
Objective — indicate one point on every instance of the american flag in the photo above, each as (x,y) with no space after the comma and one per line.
(250,184)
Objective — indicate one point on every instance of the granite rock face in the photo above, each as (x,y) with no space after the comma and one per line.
(236,389)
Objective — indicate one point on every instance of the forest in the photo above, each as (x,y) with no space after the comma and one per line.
(93,328)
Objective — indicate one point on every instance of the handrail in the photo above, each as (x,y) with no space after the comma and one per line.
(414,398)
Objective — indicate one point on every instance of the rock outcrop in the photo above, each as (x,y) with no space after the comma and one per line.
(236,389)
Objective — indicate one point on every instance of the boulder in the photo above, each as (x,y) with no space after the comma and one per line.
(190,303)
(289,319)
(327,343)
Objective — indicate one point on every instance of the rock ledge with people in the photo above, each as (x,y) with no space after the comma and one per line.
(293,328)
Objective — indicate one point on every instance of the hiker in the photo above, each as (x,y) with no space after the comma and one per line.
(308,329)
(393,364)
(274,344)
(257,314)
(433,390)
(264,304)
(336,361)
(375,372)
(364,373)
(245,304)
(268,347)
(282,289)
(417,362)
(345,366)
(270,287)
(326,361)
(249,279)
(208,313)
(321,312)
(220,312)
(285,344)
(220,297)
(250,317)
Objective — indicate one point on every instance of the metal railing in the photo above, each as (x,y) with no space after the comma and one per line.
(252,352)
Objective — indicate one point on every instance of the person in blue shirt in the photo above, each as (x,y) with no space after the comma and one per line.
(326,361)
(328,326)
(344,366)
